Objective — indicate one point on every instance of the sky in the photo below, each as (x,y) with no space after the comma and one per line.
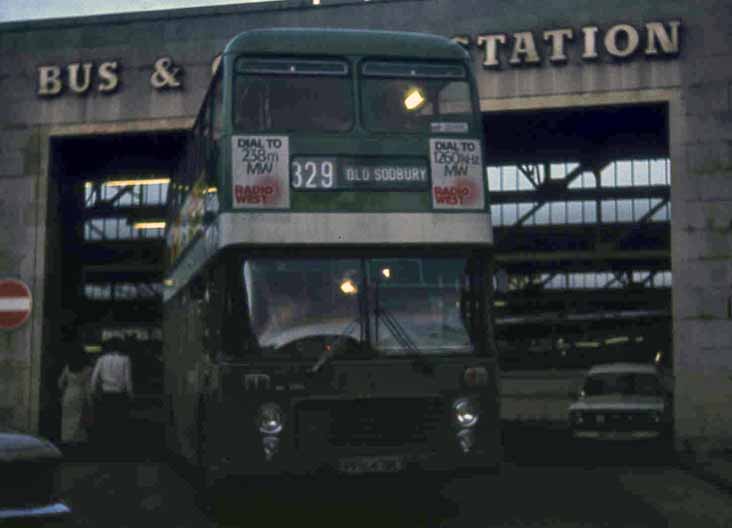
(13,10)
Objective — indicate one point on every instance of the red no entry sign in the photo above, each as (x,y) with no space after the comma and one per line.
(15,303)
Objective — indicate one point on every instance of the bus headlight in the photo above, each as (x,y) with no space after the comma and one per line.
(269,419)
(466,412)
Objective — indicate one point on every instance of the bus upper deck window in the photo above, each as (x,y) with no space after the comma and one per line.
(410,97)
(283,94)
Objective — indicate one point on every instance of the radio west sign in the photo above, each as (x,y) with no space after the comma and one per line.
(621,41)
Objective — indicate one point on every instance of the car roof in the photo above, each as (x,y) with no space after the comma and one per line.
(16,446)
(617,368)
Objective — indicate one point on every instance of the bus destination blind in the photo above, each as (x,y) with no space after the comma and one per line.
(316,173)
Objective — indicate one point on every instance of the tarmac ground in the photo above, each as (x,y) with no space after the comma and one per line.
(544,481)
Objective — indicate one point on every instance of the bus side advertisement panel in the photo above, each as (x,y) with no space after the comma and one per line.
(457,174)
(260,172)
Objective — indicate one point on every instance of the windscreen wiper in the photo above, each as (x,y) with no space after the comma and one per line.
(330,349)
(401,336)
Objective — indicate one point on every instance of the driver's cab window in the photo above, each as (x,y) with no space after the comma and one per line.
(291,301)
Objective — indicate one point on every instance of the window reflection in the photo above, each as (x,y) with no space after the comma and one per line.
(411,305)
(617,174)
(117,228)
(590,280)
(97,193)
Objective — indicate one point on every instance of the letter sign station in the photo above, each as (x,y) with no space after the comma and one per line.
(621,42)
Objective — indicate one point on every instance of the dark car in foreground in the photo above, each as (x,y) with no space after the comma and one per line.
(28,466)
(621,402)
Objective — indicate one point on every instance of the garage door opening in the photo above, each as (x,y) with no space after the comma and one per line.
(107,198)
(580,203)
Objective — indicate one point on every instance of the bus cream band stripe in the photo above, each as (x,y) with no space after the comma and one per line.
(330,228)
(355,228)
(17,304)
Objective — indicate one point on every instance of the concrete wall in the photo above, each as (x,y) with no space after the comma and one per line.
(702,236)
(696,86)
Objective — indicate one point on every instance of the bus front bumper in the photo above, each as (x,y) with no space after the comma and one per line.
(352,462)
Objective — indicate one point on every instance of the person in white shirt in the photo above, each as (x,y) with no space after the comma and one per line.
(111,385)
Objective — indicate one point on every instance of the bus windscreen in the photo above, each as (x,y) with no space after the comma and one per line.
(399,306)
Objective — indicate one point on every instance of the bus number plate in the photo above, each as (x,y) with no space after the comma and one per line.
(360,465)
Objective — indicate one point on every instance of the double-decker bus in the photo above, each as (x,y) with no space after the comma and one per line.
(328,300)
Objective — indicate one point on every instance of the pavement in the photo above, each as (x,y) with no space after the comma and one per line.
(151,493)
(715,468)
(521,441)
(128,494)
(141,480)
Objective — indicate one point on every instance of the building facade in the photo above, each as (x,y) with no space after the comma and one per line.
(582,81)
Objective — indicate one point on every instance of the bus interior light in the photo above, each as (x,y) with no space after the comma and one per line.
(414,100)
(386,272)
(149,225)
(348,287)
(617,340)
(138,181)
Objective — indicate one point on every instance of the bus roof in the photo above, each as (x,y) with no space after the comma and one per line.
(321,41)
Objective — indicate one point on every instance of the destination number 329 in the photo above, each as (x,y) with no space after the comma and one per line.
(313,174)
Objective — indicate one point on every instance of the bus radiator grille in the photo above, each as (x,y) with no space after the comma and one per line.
(625,421)
(383,422)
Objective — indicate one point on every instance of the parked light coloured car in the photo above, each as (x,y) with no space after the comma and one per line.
(621,401)
(28,466)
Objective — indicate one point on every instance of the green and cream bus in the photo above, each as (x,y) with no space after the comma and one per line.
(328,300)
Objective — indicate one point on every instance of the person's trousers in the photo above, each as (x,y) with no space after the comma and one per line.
(111,421)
